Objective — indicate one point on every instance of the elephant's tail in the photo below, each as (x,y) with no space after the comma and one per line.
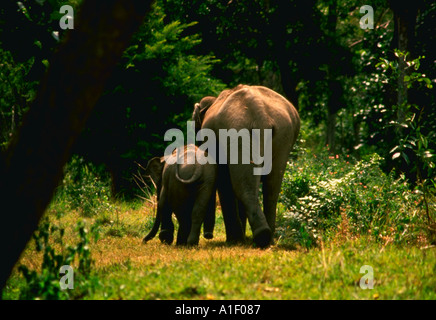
(197,171)
(153,230)
(195,176)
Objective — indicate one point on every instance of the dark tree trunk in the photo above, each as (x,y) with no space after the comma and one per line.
(289,84)
(404,37)
(278,22)
(331,132)
(333,100)
(32,165)
(334,104)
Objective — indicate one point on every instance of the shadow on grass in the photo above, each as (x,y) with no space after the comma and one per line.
(249,244)
(215,244)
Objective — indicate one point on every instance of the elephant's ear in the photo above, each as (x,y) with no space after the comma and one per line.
(154,169)
(200,110)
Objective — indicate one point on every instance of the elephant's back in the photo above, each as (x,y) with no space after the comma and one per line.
(280,109)
(252,107)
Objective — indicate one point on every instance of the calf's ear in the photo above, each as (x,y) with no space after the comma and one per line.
(154,169)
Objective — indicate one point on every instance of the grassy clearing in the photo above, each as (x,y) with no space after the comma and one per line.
(335,215)
(124,268)
(241,273)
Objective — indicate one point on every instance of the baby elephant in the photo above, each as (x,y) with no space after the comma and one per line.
(187,189)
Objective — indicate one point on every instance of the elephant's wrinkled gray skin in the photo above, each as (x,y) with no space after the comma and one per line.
(188,190)
(250,107)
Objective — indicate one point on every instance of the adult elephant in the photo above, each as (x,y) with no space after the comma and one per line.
(250,107)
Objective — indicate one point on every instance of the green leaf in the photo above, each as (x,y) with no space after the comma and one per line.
(428,154)
(396,155)
(405,157)
(394,148)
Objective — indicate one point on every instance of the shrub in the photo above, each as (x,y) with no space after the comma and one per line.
(85,188)
(323,193)
(44,284)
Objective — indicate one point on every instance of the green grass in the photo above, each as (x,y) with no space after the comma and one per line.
(124,268)
(332,273)
(335,215)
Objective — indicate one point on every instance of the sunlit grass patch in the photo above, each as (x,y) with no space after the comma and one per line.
(125,268)
(360,216)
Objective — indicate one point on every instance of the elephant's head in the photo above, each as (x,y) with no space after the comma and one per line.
(154,170)
(200,110)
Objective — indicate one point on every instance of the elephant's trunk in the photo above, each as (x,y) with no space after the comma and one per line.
(153,230)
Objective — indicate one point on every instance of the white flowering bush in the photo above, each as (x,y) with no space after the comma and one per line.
(322,193)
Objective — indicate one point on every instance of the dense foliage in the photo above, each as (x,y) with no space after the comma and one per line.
(349,83)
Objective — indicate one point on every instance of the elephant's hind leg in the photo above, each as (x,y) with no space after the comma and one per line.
(199,212)
(271,186)
(246,188)
(185,222)
(167,228)
(209,219)
(229,208)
